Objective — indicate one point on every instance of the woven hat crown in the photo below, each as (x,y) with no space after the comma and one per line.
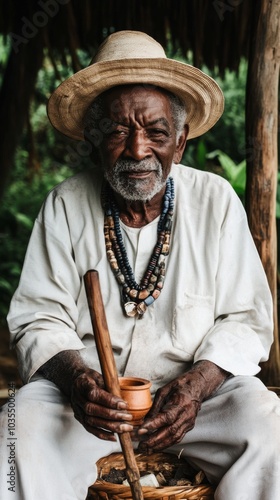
(128,45)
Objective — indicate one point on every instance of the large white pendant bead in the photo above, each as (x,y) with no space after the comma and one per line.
(130,309)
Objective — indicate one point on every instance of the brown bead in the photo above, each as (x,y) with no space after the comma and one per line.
(156,293)
(133,293)
(120,278)
(110,254)
(141,308)
(165,249)
(161,261)
(167,238)
(143,294)
(110,221)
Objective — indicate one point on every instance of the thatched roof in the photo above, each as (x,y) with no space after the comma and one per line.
(216,32)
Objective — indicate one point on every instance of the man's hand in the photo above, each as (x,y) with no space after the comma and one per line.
(176,406)
(101,413)
(172,415)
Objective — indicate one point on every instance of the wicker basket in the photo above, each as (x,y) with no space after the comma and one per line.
(157,462)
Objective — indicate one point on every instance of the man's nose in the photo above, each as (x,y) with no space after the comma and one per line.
(137,146)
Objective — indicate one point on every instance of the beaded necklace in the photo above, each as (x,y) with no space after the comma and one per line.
(137,297)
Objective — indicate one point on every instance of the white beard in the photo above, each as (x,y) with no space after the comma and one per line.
(136,189)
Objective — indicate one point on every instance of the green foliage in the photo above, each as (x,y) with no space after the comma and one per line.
(20,206)
(4,52)
(230,129)
(229,132)
(235,174)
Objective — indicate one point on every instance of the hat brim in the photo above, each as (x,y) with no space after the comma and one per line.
(201,95)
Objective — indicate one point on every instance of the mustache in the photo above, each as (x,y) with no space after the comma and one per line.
(146,164)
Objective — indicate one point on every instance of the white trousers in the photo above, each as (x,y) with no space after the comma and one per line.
(50,456)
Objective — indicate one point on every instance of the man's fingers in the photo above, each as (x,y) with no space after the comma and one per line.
(98,418)
(165,437)
(169,426)
(109,425)
(100,433)
(104,398)
(92,409)
(170,413)
(102,427)
(100,397)
(158,402)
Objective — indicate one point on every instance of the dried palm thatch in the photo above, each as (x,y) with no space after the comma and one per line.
(215,32)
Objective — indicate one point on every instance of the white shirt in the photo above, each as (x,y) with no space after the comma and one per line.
(215,303)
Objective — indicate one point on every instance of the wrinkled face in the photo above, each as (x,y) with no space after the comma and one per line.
(140,143)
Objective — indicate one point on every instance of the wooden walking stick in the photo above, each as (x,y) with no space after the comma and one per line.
(109,372)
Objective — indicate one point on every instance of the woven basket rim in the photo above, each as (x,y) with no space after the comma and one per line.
(163,490)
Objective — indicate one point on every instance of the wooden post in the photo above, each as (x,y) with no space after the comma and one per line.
(262,160)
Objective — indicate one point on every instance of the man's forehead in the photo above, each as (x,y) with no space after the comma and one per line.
(136,88)
(150,98)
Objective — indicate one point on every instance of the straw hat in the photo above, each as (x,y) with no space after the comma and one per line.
(128,57)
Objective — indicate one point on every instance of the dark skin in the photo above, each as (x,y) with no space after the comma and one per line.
(143,129)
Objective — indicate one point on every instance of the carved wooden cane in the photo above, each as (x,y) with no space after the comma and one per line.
(109,372)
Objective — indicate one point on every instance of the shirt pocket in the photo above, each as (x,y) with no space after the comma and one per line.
(192,319)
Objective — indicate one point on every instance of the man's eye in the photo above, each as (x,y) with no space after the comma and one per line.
(118,133)
(157,132)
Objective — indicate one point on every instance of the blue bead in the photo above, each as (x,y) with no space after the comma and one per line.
(149,300)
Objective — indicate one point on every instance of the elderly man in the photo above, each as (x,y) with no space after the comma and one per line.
(186,298)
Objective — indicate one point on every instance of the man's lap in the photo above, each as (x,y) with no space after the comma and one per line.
(48,433)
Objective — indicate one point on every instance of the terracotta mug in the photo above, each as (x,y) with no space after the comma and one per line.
(136,392)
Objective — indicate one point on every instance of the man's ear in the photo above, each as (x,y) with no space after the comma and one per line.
(181,144)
